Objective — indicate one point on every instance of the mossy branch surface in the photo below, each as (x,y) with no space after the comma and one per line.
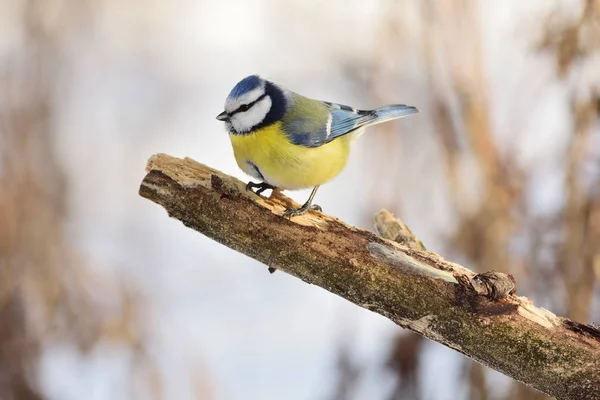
(393,275)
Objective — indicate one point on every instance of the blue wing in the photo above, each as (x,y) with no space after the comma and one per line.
(333,120)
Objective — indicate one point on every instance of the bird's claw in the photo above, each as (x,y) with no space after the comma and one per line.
(294,212)
(260,186)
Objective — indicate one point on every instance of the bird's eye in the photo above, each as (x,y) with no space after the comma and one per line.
(244,107)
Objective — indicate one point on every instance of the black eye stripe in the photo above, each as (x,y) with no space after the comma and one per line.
(246,107)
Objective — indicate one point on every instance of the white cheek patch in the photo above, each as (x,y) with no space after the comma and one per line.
(244,121)
(251,96)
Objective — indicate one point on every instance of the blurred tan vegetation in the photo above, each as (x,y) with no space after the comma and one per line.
(555,257)
(49,292)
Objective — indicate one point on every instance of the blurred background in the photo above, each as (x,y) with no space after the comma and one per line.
(102,296)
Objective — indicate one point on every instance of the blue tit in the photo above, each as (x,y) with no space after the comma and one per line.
(292,142)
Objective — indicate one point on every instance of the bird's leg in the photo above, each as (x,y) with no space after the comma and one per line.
(308,206)
(260,186)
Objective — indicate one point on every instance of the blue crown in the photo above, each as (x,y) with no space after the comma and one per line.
(245,85)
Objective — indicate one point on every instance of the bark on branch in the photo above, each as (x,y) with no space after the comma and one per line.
(391,274)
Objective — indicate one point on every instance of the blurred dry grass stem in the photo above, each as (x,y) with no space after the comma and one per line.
(486,230)
(47,292)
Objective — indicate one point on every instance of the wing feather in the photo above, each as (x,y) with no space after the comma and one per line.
(313,123)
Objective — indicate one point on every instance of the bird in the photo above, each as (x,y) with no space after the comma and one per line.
(290,142)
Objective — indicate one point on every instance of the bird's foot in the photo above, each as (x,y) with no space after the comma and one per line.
(294,212)
(260,186)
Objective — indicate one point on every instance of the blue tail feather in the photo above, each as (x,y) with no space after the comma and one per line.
(390,112)
(347,119)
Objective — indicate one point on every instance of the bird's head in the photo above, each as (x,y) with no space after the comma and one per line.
(253,103)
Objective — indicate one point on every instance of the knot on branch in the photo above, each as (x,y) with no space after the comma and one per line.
(492,284)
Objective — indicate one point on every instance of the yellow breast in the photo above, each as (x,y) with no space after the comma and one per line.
(286,165)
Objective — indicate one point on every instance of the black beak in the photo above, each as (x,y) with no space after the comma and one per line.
(223,116)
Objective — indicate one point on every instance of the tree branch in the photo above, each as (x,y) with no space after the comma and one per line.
(477,315)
